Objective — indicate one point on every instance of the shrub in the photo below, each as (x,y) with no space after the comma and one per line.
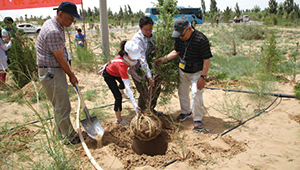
(85,58)
(297,91)
(250,32)
(218,75)
(271,57)
(22,56)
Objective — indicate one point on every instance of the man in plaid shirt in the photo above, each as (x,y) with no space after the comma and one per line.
(52,60)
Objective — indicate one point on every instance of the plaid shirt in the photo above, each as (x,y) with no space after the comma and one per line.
(50,38)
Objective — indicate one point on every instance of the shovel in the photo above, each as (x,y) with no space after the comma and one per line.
(90,124)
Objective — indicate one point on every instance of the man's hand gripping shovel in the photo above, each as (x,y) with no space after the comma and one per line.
(90,124)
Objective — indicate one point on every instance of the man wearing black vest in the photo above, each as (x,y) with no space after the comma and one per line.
(194,53)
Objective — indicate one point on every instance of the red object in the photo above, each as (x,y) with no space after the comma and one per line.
(25,4)
(118,69)
(2,77)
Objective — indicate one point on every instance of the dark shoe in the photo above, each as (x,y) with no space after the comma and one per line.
(198,125)
(182,116)
(75,141)
(157,112)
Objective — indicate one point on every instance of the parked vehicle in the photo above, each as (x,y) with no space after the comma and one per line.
(194,15)
(244,18)
(29,28)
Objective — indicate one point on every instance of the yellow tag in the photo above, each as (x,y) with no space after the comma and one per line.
(182,66)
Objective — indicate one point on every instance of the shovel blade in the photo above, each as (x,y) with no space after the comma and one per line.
(92,127)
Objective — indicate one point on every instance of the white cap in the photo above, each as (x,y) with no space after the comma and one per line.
(133,50)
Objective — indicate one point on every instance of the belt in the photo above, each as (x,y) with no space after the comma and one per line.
(48,67)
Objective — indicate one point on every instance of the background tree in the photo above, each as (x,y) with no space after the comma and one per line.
(273,6)
(126,17)
(110,14)
(26,19)
(256,9)
(21,19)
(280,9)
(96,12)
(297,13)
(203,6)
(89,12)
(227,14)
(121,13)
(237,10)
(289,6)
(139,14)
(166,74)
(120,17)
(213,6)
(130,13)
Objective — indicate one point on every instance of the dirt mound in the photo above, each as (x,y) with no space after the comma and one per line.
(224,83)
(295,118)
(121,146)
(29,90)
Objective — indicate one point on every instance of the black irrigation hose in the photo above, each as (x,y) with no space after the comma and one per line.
(52,118)
(169,163)
(260,111)
(253,92)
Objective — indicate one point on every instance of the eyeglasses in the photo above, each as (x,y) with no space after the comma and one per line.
(147,30)
(182,35)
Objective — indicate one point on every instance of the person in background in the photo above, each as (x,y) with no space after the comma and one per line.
(3,59)
(116,71)
(145,40)
(6,32)
(52,60)
(194,53)
(79,38)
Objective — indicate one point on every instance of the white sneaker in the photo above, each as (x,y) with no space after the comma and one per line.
(123,122)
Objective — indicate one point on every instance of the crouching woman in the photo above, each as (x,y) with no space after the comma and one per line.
(116,71)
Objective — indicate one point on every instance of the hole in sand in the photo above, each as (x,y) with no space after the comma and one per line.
(156,146)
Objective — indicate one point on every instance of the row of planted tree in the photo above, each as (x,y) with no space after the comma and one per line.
(275,14)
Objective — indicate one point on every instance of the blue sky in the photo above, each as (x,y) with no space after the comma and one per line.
(137,5)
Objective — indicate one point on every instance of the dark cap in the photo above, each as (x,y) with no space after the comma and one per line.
(69,8)
(179,25)
(8,20)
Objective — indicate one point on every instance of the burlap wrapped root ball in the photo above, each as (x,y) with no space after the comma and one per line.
(145,126)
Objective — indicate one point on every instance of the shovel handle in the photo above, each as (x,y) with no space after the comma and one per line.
(83,104)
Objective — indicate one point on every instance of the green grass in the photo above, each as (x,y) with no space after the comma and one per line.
(91,95)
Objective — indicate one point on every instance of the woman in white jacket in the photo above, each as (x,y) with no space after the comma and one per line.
(116,71)
(3,59)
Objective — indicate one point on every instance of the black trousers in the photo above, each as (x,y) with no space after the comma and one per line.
(111,81)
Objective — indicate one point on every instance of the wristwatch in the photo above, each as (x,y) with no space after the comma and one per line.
(204,76)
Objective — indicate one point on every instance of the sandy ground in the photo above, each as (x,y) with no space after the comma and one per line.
(268,141)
